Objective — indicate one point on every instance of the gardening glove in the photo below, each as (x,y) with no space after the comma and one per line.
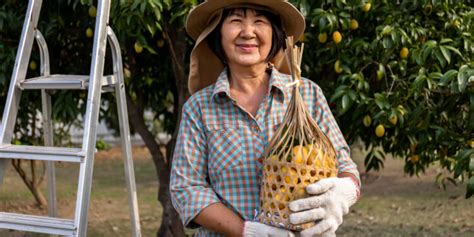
(331,199)
(258,229)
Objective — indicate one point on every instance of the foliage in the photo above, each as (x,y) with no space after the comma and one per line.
(422,95)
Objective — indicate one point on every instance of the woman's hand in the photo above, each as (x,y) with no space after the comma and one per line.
(331,199)
(258,229)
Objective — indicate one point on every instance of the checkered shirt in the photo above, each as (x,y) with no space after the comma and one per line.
(219,143)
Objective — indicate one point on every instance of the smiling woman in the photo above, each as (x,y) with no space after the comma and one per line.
(238,80)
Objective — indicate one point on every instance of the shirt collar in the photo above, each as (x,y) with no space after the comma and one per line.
(277,80)
(222,85)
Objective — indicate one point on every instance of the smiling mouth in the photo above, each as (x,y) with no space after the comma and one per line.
(247,47)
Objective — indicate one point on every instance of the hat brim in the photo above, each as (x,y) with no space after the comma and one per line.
(293,21)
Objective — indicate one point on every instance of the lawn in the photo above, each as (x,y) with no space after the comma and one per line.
(392,204)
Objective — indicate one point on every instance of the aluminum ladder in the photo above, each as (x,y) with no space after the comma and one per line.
(95,83)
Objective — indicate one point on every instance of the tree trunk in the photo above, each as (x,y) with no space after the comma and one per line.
(162,170)
(39,196)
(33,183)
(171,225)
(176,40)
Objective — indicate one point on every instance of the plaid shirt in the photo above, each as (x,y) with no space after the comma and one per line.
(219,143)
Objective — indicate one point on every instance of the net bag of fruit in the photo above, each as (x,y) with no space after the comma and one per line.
(298,154)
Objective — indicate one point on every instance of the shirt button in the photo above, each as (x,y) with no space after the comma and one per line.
(256,128)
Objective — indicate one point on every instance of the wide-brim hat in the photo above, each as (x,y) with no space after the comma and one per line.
(205,66)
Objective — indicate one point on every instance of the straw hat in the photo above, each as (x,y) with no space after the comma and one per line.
(205,66)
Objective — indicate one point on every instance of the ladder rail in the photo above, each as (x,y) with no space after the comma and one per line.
(47,123)
(91,116)
(19,73)
(19,70)
(45,69)
(125,133)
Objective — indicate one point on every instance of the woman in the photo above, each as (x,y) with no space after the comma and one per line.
(237,81)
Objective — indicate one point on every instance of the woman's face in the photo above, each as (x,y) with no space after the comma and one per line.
(246,38)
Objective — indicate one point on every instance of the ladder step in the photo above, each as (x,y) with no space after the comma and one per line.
(63,82)
(66,154)
(39,224)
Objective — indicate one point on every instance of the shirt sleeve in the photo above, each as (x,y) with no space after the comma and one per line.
(328,125)
(189,189)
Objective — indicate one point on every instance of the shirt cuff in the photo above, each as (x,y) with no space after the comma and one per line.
(194,204)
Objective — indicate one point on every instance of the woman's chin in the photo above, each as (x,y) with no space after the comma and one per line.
(247,61)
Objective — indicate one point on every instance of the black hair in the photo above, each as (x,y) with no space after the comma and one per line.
(278,35)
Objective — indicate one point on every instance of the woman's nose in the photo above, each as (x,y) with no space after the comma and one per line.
(247,31)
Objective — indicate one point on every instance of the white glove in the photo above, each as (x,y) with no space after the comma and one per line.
(258,229)
(332,199)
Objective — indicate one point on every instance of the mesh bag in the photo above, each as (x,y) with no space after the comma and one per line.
(298,154)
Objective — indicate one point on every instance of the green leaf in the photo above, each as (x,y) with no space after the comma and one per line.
(462,78)
(454,50)
(323,23)
(447,77)
(426,52)
(471,163)
(381,101)
(470,188)
(143,7)
(440,58)
(332,19)
(386,30)
(431,43)
(445,40)
(430,83)
(353,95)
(419,81)
(345,102)
(317,12)
(405,37)
(387,42)
(304,7)
(340,90)
(446,53)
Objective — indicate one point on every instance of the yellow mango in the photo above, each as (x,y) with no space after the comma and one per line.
(293,171)
(299,154)
(277,197)
(291,180)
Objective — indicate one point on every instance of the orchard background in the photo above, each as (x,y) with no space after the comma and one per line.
(399,76)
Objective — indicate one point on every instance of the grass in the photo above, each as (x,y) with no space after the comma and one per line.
(392,204)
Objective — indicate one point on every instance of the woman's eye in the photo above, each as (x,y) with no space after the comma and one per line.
(235,20)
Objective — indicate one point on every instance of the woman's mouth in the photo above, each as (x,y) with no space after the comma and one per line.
(247,47)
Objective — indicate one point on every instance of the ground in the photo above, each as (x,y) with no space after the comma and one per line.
(392,204)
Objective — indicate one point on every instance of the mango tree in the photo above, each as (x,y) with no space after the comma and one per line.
(400,79)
